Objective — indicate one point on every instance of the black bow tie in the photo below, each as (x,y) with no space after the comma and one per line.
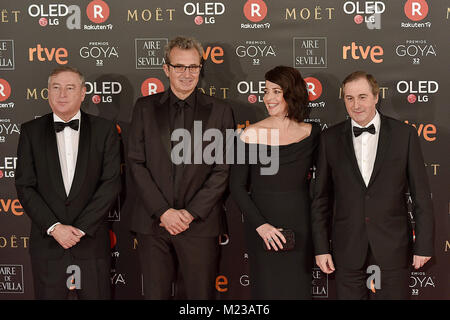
(358,131)
(59,126)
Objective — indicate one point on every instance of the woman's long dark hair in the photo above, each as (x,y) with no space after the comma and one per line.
(294,91)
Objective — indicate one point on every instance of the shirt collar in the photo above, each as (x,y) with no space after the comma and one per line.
(76,116)
(190,100)
(375,121)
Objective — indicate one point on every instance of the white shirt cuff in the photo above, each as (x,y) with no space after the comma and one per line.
(52,227)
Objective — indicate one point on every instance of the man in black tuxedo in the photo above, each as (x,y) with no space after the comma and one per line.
(67,178)
(179,213)
(365,167)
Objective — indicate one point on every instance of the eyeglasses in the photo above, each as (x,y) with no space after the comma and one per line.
(181,69)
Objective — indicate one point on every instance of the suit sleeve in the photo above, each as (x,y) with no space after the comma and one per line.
(26,186)
(108,187)
(421,195)
(321,205)
(215,185)
(148,191)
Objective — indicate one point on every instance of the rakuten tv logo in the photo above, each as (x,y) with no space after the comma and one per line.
(255,10)
(416,10)
(97,11)
(204,13)
(314,88)
(357,52)
(5,90)
(59,55)
(151,86)
(418,91)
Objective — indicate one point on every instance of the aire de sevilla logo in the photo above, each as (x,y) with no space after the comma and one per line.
(151,86)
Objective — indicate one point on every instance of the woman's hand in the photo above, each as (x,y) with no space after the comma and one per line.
(272,236)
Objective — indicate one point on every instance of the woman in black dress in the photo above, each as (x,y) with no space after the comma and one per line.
(281,200)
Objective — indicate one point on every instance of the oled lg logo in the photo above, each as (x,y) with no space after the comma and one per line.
(416,10)
(374,53)
(255,11)
(204,13)
(103,92)
(7,167)
(418,91)
(368,12)
(255,90)
(151,86)
(50,15)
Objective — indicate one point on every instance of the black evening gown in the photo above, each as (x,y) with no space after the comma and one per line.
(282,200)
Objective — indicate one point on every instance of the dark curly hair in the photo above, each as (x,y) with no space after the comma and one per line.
(294,91)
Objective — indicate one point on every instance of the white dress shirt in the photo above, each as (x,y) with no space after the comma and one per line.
(365,147)
(67,141)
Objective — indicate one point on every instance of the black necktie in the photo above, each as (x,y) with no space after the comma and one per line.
(358,131)
(59,126)
(178,123)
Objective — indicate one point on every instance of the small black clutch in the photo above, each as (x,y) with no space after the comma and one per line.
(290,241)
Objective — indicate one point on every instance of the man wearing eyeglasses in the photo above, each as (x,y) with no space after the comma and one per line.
(179,212)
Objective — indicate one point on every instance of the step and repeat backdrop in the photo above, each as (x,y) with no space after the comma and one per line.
(119,46)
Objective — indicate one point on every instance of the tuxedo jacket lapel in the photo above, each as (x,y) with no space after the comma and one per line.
(347,141)
(51,150)
(383,143)
(82,157)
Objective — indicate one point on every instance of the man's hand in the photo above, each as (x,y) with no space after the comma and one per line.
(188,218)
(174,221)
(325,263)
(419,261)
(67,236)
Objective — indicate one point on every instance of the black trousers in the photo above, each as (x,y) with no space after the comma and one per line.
(164,257)
(50,278)
(352,284)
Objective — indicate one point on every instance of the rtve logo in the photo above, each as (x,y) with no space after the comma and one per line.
(11,206)
(416,10)
(215,53)
(255,10)
(44,54)
(357,52)
(425,130)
